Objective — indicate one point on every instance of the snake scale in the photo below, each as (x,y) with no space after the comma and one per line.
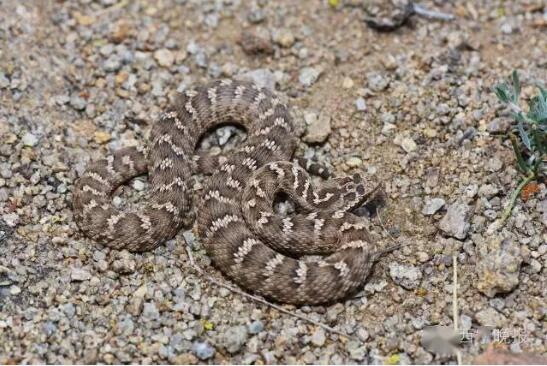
(320,254)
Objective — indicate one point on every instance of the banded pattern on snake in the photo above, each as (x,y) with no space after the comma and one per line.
(251,244)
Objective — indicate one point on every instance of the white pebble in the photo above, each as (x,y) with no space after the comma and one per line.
(360,104)
(29,139)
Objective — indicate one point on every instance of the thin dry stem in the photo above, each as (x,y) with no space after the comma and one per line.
(395,245)
(455,302)
(261,300)
(514,196)
(432,14)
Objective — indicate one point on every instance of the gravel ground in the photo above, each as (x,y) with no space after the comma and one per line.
(414,107)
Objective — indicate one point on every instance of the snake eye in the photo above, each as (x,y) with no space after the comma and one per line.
(350,196)
(357,178)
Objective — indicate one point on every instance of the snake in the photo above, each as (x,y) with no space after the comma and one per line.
(321,253)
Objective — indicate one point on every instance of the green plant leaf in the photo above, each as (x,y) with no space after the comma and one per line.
(501,91)
(539,139)
(529,132)
(523,166)
(518,117)
(524,135)
(535,163)
(516,86)
(538,109)
(542,91)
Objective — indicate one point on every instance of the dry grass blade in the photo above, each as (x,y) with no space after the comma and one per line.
(261,300)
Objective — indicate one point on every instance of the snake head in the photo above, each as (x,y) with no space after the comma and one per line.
(360,192)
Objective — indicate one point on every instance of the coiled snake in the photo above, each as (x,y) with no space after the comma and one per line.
(257,248)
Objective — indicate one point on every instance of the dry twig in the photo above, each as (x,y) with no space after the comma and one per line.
(455,303)
(261,300)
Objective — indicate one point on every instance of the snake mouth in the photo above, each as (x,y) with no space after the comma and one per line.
(370,202)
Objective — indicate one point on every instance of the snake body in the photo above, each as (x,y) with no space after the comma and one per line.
(246,239)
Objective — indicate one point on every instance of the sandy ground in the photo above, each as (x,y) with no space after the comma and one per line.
(414,107)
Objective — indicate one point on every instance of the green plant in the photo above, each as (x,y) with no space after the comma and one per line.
(528,135)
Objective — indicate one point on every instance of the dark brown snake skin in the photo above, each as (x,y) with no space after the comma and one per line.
(248,241)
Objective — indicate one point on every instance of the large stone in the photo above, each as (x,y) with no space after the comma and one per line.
(150,311)
(284,37)
(164,57)
(456,221)
(377,82)
(203,350)
(318,128)
(29,139)
(309,75)
(408,277)
(80,274)
(263,78)
(318,338)
(432,205)
(234,338)
(498,267)
(491,318)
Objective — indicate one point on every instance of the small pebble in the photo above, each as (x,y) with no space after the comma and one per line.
(347,83)
(308,76)
(125,263)
(360,104)
(499,125)
(406,143)
(69,310)
(139,185)
(80,274)
(490,318)
(203,350)
(318,128)
(234,338)
(29,139)
(406,276)
(164,57)
(377,82)
(488,190)
(494,164)
(256,327)
(356,350)
(432,206)
(150,311)
(497,303)
(263,78)
(387,118)
(455,223)
(284,38)
(422,256)
(506,28)
(112,64)
(11,219)
(15,290)
(77,102)
(318,338)
(354,162)
(256,16)
(102,137)
(4,81)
